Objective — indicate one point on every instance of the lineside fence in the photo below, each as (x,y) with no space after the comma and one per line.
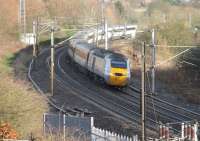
(105,135)
(187,131)
(62,127)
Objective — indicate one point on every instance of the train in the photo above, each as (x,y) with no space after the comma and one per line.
(113,68)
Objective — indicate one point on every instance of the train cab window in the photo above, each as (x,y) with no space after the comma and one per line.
(131,28)
(118,64)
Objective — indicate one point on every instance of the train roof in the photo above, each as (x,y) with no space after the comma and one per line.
(100,52)
(117,56)
(84,44)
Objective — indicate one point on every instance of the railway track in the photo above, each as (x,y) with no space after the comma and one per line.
(166,113)
(113,109)
(100,97)
(120,103)
(186,114)
(162,113)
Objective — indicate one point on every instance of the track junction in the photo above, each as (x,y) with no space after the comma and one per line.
(123,104)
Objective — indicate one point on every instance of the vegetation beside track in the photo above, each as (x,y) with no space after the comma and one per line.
(21,106)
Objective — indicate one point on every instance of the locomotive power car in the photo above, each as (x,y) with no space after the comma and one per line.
(112,67)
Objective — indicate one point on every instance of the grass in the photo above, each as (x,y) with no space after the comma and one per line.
(182,82)
(20,105)
(171,32)
(6,63)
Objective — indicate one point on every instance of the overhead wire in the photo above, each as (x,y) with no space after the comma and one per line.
(173,57)
(190,63)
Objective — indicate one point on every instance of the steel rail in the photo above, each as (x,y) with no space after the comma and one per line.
(131,119)
(120,109)
(109,93)
(36,86)
(96,99)
(159,106)
(63,71)
(168,103)
(160,109)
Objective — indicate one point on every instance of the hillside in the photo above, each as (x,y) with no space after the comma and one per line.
(22,107)
(18,99)
(17,96)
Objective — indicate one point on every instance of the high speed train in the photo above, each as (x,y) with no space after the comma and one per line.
(113,68)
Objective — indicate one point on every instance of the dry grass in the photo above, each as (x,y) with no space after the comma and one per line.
(20,105)
(181,81)
(87,10)
(8,17)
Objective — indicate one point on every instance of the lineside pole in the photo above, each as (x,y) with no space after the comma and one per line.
(44,124)
(106,35)
(64,126)
(34,36)
(153,62)
(102,12)
(37,37)
(52,60)
(97,34)
(22,16)
(143,92)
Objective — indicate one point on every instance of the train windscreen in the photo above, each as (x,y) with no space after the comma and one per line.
(118,64)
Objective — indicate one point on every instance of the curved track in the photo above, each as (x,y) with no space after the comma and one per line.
(96,95)
(123,104)
(178,112)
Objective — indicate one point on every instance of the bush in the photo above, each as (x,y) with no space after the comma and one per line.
(20,106)
(6,132)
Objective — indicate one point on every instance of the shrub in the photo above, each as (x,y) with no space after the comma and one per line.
(7,132)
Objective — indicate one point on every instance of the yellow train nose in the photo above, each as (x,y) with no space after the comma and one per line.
(118,77)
